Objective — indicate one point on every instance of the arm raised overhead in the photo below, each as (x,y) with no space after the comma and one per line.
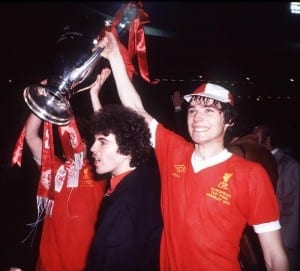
(126,90)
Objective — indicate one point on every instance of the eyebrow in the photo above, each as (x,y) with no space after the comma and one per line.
(101,137)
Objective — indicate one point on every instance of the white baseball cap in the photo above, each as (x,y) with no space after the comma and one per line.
(212,91)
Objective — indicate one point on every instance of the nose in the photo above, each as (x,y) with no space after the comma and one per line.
(198,116)
(92,147)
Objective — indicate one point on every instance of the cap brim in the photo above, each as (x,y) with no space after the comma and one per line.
(188,97)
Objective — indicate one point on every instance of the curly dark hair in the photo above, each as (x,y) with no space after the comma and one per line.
(130,129)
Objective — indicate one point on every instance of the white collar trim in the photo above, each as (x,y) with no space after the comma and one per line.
(199,164)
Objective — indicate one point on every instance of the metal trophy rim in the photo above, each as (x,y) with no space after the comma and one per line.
(43,109)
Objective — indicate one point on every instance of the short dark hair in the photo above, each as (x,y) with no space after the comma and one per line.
(230,113)
(130,129)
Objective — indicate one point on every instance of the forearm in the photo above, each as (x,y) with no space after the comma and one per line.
(127,92)
(96,88)
(277,264)
(96,104)
(274,254)
(32,137)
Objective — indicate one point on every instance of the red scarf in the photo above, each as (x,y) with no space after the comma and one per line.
(136,41)
(53,171)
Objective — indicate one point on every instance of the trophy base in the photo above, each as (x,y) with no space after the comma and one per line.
(47,106)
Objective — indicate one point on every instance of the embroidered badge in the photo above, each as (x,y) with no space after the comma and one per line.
(224,183)
(179,169)
(219,193)
(86,179)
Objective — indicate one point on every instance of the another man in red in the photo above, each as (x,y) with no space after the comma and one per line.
(68,194)
(208,193)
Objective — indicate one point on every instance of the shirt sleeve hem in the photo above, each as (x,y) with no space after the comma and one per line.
(267,227)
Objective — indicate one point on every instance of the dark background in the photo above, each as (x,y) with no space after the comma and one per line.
(223,42)
(187,43)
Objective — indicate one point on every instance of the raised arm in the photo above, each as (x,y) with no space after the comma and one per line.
(177,100)
(32,135)
(33,138)
(96,88)
(126,90)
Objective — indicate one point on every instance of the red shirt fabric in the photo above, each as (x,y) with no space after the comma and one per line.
(68,232)
(115,180)
(205,212)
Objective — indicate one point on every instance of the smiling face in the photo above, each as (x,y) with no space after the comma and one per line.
(205,121)
(107,158)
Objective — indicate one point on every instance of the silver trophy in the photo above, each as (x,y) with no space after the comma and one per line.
(76,69)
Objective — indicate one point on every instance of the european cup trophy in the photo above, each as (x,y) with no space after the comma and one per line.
(77,64)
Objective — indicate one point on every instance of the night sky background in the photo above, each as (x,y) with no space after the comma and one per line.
(223,42)
(252,48)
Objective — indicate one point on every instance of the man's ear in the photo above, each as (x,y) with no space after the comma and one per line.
(228,126)
(230,123)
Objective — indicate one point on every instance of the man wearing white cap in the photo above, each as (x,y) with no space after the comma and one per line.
(208,193)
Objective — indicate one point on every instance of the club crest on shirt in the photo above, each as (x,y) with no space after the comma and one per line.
(219,193)
(224,183)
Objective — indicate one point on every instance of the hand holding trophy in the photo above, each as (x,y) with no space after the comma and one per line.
(51,102)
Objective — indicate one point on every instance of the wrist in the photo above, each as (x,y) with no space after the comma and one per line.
(177,108)
(93,94)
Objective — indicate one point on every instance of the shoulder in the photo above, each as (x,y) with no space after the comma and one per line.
(287,158)
(252,174)
(166,134)
(146,172)
(171,144)
(145,177)
(143,184)
(244,165)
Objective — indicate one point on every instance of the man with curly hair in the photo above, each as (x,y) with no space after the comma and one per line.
(129,226)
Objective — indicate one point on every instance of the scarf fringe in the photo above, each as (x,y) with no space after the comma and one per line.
(44,208)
